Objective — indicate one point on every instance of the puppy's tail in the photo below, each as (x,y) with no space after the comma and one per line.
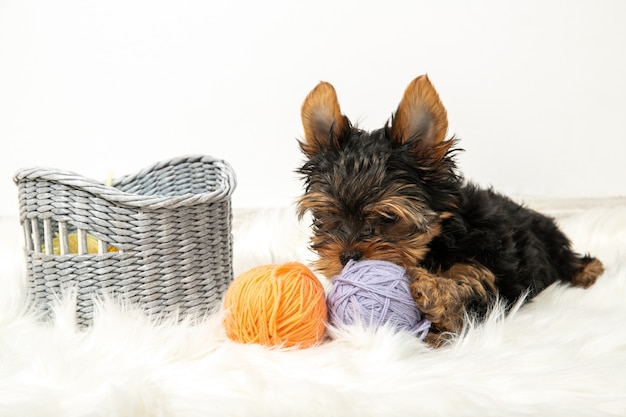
(589,271)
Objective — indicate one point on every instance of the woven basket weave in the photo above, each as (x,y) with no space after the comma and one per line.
(163,236)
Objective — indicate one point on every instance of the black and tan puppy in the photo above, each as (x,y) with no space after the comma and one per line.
(395,194)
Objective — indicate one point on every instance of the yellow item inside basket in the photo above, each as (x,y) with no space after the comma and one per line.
(72,242)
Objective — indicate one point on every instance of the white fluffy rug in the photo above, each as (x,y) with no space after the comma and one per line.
(564,354)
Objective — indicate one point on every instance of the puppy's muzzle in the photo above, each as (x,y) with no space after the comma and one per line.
(349,255)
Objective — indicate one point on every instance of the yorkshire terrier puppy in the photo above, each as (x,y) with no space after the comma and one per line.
(395,194)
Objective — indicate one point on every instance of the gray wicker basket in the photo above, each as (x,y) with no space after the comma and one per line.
(163,236)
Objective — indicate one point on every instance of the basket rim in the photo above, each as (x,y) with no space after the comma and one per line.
(114,194)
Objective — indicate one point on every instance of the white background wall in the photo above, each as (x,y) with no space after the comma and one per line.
(535,89)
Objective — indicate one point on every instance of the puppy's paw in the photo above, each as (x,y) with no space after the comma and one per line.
(424,288)
(435,299)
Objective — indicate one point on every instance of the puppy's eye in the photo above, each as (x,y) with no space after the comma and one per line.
(389,218)
(317,221)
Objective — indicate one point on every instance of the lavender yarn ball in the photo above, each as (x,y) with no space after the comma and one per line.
(375,293)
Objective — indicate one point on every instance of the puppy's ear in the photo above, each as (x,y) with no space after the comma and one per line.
(421,120)
(323,123)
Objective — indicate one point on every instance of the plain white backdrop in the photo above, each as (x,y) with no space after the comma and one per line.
(536,90)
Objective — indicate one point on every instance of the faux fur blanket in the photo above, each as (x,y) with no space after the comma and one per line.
(564,354)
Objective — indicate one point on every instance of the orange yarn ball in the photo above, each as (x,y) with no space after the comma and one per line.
(276,305)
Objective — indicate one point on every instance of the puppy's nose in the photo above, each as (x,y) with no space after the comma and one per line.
(348,255)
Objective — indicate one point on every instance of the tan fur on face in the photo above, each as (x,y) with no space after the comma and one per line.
(407,253)
(404,240)
(414,215)
(315,202)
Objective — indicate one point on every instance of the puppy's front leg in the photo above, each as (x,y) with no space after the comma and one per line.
(443,296)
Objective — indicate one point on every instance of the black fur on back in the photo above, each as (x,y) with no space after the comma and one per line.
(524,249)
